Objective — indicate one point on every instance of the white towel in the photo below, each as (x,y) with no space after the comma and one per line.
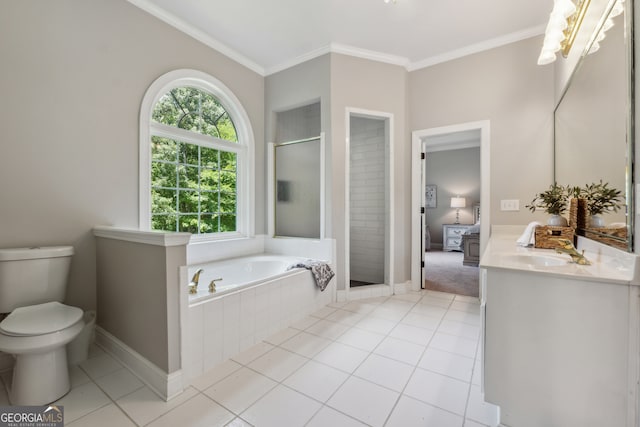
(528,238)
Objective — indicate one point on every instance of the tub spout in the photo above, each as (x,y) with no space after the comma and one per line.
(566,247)
(212,285)
(193,285)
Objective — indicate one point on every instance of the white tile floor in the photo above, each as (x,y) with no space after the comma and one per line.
(406,360)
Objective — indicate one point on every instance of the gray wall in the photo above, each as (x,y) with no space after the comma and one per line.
(72,89)
(73,76)
(368,85)
(138,299)
(454,172)
(503,85)
(298,86)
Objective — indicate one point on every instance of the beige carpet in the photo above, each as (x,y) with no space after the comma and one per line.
(444,272)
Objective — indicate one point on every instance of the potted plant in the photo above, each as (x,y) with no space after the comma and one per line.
(554,202)
(601,199)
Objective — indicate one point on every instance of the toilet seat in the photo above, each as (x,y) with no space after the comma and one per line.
(40,319)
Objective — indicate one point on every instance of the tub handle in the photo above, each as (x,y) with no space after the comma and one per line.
(212,285)
(193,285)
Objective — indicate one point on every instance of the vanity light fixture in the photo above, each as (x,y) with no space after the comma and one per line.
(390,1)
(616,10)
(564,22)
(457,203)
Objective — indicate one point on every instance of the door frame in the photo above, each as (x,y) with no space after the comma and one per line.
(388,119)
(418,146)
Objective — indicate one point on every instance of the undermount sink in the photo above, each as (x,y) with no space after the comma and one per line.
(535,260)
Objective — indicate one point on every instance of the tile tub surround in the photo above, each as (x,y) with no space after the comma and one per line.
(219,328)
(312,386)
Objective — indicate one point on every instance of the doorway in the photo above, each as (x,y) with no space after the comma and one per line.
(369,202)
(441,139)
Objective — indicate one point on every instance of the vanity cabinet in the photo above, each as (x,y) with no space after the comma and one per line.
(560,347)
(452,236)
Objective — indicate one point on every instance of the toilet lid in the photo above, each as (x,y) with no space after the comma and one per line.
(40,319)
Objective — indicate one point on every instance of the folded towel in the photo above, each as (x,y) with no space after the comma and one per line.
(528,238)
(321,271)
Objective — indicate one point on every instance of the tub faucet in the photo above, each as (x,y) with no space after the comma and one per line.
(212,285)
(566,247)
(193,285)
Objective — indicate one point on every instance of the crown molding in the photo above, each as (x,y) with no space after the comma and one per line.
(371,55)
(197,34)
(477,47)
(298,60)
(344,50)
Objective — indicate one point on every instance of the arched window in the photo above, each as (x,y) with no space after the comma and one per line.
(196,154)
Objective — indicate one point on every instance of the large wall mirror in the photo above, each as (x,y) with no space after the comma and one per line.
(593,127)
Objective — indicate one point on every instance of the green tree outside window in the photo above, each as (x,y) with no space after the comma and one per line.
(193,187)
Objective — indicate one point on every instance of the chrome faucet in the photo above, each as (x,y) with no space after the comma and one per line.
(193,285)
(566,247)
(212,285)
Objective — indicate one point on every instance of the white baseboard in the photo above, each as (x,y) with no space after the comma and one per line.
(402,288)
(165,385)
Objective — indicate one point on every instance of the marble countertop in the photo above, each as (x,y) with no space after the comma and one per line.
(608,264)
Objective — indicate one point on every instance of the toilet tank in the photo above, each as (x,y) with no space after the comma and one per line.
(31,276)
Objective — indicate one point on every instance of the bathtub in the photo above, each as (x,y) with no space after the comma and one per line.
(256,298)
(240,273)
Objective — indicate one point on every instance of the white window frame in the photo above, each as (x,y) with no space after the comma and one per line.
(244,147)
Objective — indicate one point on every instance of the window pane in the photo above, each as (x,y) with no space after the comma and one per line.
(163,149)
(209,223)
(227,161)
(209,179)
(228,202)
(188,177)
(164,222)
(227,222)
(188,154)
(187,201)
(166,111)
(188,223)
(163,201)
(195,110)
(209,158)
(226,128)
(209,202)
(163,174)
(228,182)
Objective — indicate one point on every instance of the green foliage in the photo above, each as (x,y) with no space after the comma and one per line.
(553,201)
(193,188)
(601,198)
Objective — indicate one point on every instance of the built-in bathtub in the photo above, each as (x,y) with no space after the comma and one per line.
(149,324)
(257,297)
(235,274)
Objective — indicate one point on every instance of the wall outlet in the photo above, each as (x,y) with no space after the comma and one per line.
(510,205)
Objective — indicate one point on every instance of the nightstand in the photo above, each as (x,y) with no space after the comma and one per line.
(452,236)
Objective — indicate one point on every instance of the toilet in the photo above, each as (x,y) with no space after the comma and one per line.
(37,325)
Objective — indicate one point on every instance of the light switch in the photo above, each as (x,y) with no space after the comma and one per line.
(510,205)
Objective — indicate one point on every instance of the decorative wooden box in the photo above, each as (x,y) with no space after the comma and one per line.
(547,236)
(578,213)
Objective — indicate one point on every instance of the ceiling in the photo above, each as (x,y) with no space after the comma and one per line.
(271,35)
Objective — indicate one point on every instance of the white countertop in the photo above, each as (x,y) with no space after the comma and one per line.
(608,264)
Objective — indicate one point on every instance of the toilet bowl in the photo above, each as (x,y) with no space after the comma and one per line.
(37,336)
